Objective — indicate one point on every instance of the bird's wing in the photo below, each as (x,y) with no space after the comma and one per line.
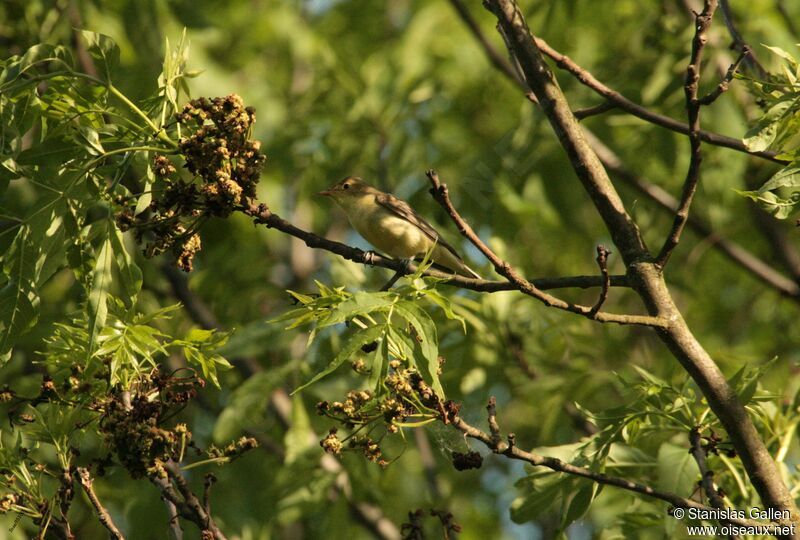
(402,209)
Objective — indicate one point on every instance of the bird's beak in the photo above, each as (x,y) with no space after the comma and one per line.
(326,193)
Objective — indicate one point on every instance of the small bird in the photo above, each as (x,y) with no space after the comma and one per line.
(392,226)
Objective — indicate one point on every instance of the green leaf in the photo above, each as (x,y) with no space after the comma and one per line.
(579,504)
(787,177)
(249,402)
(444,303)
(97,307)
(36,55)
(104,51)
(783,54)
(19,309)
(379,365)
(298,437)
(359,304)
(540,492)
(90,139)
(38,250)
(52,152)
(356,341)
(426,336)
(129,272)
(677,469)
(761,136)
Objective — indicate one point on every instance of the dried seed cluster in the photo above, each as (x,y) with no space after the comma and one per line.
(133,429)
(225,166)
(408,396)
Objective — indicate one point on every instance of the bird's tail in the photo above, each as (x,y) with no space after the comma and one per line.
(466,271)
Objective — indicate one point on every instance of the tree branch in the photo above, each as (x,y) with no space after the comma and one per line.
(186,503)
(690,89)
(735,252)
(621,102)
(602,263)
(496,444)
(442,196)
(85,480)
(263,215)
(645,277)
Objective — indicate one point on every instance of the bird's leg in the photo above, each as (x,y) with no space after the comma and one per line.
(395,277)
(404,270)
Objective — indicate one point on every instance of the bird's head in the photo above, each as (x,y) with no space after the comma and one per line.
(349,190)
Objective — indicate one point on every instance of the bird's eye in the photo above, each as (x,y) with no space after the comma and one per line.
(345,186)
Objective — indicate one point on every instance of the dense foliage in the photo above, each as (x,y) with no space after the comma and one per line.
(153,330)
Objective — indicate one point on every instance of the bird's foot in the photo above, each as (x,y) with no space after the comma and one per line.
(406,266)
(369,257)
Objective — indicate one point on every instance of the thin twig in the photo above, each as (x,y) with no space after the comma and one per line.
(208,481)
(722,87)
(86,481)
(392,281)
(512,451)
(735,252)
(442,196)
(261,214)
(602,263)
(586,112)
(491,414)
(751,62)
(706,474)
(174,521)
(586,78)
(690,89)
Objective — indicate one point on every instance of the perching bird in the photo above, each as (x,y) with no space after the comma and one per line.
(392,226)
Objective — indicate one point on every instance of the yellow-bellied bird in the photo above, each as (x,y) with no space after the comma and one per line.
(392,226)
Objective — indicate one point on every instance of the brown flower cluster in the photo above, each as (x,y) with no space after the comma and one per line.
(408,395)
(220,151)
(132,425)
(225,166)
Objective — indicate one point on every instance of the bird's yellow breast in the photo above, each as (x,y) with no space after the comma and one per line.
(386,231)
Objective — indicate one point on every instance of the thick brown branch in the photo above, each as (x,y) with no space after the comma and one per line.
(735,252)
(690,89)
(85,480)
(442,196)
(645,277)
(185,501)
(666,201)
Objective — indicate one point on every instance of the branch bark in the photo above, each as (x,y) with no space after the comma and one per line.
(261,214)
(509,448)
(702,22)
(85,480)
(645,277)
(611,161)
(440,193)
